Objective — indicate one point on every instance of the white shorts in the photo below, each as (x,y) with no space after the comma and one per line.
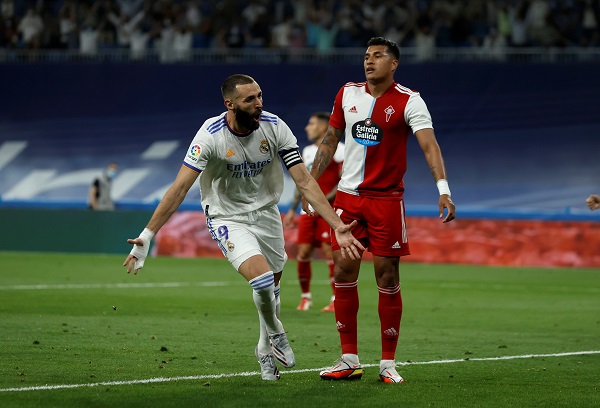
(258,232)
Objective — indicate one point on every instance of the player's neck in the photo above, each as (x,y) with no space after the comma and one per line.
(378,88)
(235,126)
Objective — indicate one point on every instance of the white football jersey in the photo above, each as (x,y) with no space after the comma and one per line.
(240,173)
(310,151)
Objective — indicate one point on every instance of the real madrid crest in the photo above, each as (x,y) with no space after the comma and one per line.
(230,246)
(264,146)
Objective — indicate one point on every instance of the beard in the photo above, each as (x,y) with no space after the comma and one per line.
(247,120)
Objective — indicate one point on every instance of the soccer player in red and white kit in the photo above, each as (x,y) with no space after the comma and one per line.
(376,117)
(313,231)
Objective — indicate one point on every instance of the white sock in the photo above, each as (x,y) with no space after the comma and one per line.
(277,292)
(264,347)
(351,358)
(386,363)
(264,299)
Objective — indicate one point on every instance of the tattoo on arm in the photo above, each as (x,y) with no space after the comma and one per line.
(296,200)
(326,151)
(433,169)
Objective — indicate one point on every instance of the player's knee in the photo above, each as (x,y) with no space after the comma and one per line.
(304,254)
(343,272)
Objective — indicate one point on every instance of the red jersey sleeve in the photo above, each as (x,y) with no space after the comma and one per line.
(337,119)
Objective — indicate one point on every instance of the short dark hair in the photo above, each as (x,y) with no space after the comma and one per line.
(228,89)
(321,115)
(391,45)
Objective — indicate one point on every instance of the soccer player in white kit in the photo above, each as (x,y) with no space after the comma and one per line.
(236,155)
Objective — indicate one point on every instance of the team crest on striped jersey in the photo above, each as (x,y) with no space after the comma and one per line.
(389,111)
(264,146)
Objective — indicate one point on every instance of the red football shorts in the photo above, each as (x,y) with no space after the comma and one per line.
(313,230)
(381,224)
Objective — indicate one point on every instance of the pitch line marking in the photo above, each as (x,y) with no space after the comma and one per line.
(306,370)
(115,285)
(147,285)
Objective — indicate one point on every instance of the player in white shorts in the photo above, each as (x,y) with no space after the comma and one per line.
(237,156)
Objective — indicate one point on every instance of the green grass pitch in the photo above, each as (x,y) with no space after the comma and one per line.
(77,331)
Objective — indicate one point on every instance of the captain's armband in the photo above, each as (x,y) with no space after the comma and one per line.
(291,157)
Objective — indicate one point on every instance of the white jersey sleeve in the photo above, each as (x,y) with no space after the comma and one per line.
(200,150)
(416,114)
(308,155)
(338,157)
(287,145)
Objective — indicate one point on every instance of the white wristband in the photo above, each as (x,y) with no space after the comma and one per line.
(148,235)
(443,188)
(141,252)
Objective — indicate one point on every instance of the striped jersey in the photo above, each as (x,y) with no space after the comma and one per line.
(376,134)
(240,173)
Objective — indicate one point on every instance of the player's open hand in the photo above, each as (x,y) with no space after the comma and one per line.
(348,244)
(141,245)
(446,203)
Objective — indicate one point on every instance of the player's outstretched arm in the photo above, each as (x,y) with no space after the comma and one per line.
(167,206)
(311,191)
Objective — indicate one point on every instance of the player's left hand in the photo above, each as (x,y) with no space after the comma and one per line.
(446,202)
(348,244)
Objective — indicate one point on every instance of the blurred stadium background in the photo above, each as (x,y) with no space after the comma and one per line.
(517,118)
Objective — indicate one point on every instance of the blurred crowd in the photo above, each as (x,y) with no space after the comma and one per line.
(175,27)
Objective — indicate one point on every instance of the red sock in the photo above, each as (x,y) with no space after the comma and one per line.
(390,313)
(346,312)
(331,278)
(304,274)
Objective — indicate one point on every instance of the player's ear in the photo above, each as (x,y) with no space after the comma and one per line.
(228,104)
